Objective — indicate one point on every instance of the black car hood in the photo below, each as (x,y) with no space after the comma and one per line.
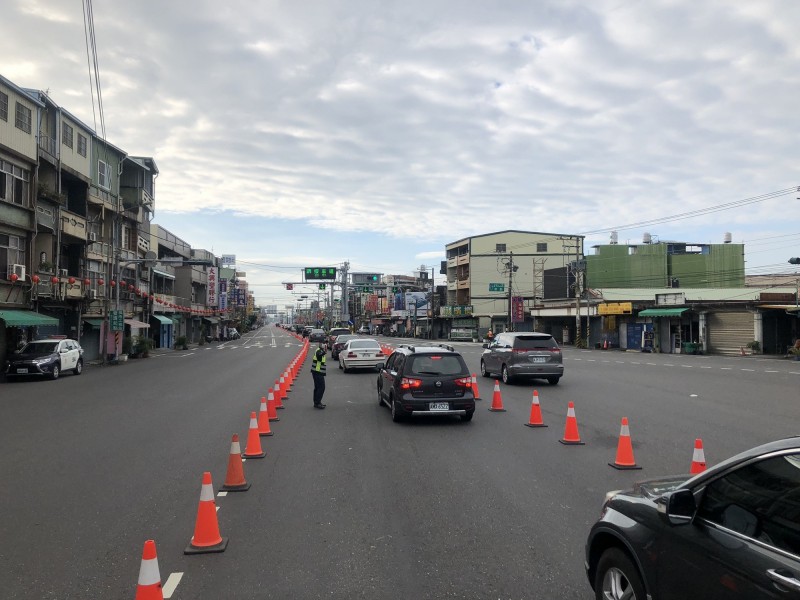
(656,487)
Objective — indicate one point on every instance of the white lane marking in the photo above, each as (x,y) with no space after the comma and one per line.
(771,371)
(217,507)
(172,582)
(636,362)
(590,360)
(668,365)
(620,362)
(692,395)
(222,494)
(651,364)
(748,370)
(688,366)
(705,367)
(726,368)
(189,354)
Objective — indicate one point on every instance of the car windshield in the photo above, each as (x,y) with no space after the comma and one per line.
(40,347)
(436,364)
(529,342)
(342,339)
(362,344)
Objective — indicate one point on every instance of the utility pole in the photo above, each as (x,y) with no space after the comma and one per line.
(510,266)
(578,286)
(345,306)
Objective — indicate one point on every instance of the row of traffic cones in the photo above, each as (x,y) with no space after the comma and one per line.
(207,538)
(624,458)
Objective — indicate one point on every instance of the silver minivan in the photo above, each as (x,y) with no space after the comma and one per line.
(523,354)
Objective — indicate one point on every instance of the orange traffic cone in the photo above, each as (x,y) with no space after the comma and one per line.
(263,418)
(698,458)
(475,391)
(624,460)
(149,586)
(271,408)
(234,479)
(278,394)
(253,448)
(571,436)
(536,412)
(206,536)
(287,383)
(497,400)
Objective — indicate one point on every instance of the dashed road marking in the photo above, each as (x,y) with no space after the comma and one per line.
(748,370)
(169,586)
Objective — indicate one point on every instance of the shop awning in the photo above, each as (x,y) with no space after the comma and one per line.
(137,324)
(164,274)
(662,312)
(94,322)
(162,319)
(22,318)
(211,320)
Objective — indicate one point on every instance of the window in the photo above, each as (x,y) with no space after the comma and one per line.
(81,145)
(760,501)
(66,135)
(12,252)
(3,106)
(104,174)
(14,183)
(541,247)
(23,118)
(500,248)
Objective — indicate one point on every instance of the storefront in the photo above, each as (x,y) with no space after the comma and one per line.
(161,331)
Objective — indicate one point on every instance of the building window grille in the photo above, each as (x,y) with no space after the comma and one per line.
(23,118)
(66,135)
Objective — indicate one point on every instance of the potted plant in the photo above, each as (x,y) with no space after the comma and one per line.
(143,346)
(46,267)
(755,346)
(127,347)
(181,343)
(794,352)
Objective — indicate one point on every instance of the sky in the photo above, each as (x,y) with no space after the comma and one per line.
(301,133)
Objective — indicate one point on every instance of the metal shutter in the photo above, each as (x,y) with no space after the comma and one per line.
(729,332)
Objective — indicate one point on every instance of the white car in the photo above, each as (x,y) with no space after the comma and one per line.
(361,354)
(48,357)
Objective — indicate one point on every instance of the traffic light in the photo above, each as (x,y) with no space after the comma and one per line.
(374,278)
(322,286)
(289,286)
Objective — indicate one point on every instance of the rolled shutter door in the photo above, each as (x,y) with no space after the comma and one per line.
(729,332)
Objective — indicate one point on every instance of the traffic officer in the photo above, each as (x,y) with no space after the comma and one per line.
(318,373)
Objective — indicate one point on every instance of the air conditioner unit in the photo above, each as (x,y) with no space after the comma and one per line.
(18,270)
(92,236)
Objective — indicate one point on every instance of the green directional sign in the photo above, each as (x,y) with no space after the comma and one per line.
(116,320)
(497,287)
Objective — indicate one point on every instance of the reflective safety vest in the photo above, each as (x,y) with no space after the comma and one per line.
(318,362)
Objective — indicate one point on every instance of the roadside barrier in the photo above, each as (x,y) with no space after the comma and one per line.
(206,536)
(624,460)
(253,448)
(475,391)
(535,419)
(698,458)
(234,478)
(497,400)
(263,418)
(149,584)
(571,435)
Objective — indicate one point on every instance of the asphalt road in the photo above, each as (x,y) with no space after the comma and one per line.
(348,504)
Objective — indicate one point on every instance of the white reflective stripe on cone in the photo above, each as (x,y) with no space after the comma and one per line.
(206,493)
(253,423)
(625,431)
(698,455)
(148,572)
(236,448)
(270,396)
(571,411)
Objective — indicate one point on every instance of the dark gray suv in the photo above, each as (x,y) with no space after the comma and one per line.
(732,531)
(523,355)
(426,380)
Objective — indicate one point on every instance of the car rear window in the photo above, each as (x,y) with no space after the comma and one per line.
(529,342)
(437,364)
(364,344)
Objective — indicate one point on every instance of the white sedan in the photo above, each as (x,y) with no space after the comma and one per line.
(361,354)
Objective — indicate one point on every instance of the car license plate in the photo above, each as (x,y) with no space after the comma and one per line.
(538,359)
(23,371)
(439,406)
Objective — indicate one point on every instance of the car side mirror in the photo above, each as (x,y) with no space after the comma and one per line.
(486,345)
(678,507)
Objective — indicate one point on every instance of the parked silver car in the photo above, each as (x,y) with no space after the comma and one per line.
(523,355)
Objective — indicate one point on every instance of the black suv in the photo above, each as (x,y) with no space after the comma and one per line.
(732,531)
(426,380)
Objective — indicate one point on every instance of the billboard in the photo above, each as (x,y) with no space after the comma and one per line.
(418,300)
(517,309)
(212,294)
(317,273)
(228,261)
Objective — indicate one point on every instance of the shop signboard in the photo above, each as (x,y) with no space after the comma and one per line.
(517,309)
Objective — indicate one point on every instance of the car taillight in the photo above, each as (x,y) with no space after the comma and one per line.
(555,350)
(407,383)
(379,355)
(351,355)
(519,350)
(464,382)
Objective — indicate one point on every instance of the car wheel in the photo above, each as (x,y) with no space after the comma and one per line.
(395,414)
(380,397)
(340,365)
(55,372)
(617,577)
(467,417)
(484,371)
(504,374)
(553,380)
(78,367)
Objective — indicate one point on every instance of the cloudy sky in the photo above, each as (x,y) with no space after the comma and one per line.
(308,133)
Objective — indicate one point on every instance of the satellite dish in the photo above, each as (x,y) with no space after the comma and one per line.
(150,259)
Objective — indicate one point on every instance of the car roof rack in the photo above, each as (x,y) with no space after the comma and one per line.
(413,347)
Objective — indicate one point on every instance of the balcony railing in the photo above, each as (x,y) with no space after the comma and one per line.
(49,145)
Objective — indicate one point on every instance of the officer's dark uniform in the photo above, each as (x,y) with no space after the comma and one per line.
(318,373)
